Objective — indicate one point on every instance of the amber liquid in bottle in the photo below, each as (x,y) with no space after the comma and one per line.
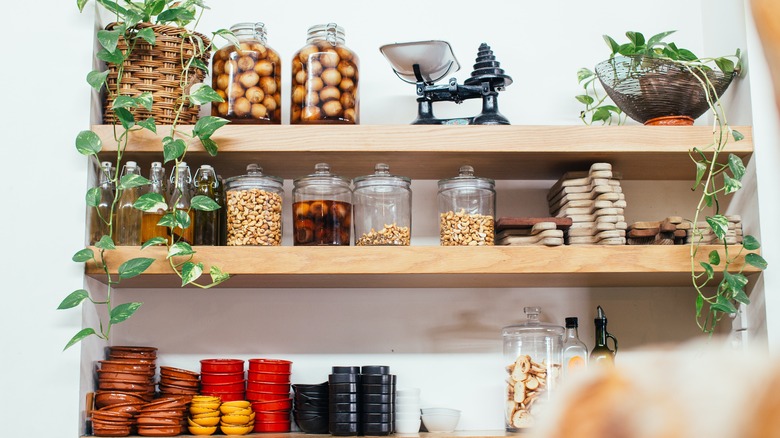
(206,223)
(149,227)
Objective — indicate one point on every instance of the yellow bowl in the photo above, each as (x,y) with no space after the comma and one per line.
(240,420)
(205,398)
(202,410)
(214,414)
(210,404)
(197,430)
(238,403)
(234,409)
(203,422)
(235,430)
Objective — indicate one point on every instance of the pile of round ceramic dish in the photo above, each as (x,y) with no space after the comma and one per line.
(223,378)
(237,417)
(204,415)
(407,410)
(440,419)
(377,400)
(311,407)
(162,417)
(268,388)
(176,381)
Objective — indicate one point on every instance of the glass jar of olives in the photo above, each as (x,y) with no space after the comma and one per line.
(322,208)
(325,79)
(383,209)
(467,208)
(248,78)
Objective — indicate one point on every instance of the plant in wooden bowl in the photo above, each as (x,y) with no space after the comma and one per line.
(154,68)
(655,82)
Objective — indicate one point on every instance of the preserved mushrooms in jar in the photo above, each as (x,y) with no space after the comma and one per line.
(325,79)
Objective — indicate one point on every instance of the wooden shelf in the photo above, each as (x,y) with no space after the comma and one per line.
(425,266)
(456,434)
(434,152)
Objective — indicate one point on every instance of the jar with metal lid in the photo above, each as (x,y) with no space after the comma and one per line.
(325,79)
(248,78)
(383,208)
(254,208)
(532,356)
(322,208)
(467,208)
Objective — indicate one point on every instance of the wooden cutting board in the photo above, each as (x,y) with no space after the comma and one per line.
(507,223)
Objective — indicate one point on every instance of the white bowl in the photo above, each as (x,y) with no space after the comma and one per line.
(407,426)
(407,408)
(440,422)
(407,415)
(445,411)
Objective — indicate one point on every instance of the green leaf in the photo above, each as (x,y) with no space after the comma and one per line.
(106,243)
(190,272)
(736,166)
(725,65)
(732,185)
(210,146)
(719,225)
(148,124)
(88,143)
(742,297)
(96,79)
(627,49)
(708,269)
(636,38)
(217,276)
(687,55)
(657,38)
(154,241)
(737,135)
(114,57)
(701,169)
(197,63)
(132,180)
(168,220)
(584,73)
(108,39)
(74,299)
(204,95)
(756,260)
(208,125)
(81,4)
(699,305)
(204,203)
(173,149)
(79,336)
(611,43)
(714,258)
(134,267)
(123,311)
(601,114)
(708,200)
(180,249)
(722,304)
(750,243)
(125,117)
(179,15)
(735,282)
(228,36)
(124,102)
(145,100)
(83,255)
(147,34)
(150,202)
(155,7)
(182,219)
(584,99)
(93,197)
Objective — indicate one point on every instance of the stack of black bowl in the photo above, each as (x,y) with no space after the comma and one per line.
(310,407)
(344,401)
(377,400)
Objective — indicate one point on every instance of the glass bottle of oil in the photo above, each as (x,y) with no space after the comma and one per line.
(602,355)
(575,353)
(101,214)
(181,196)
(206,222)
(150,218)
(128,218)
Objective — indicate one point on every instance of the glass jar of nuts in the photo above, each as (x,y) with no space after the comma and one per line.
(248,78)
(467,209)
(322,208)
(325,79)
(383,208)
(254,209)
(532,355)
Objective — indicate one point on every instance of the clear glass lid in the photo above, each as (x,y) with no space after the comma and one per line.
(254,178)
(381,177)
(533,327)
(466,179)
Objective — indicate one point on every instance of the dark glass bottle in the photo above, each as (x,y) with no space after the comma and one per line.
(602,355)
(206,222)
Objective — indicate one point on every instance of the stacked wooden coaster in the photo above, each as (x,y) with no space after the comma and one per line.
(708,237)
(671,231)
(594,201)
(523,231)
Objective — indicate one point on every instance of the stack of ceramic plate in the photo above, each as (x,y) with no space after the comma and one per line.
(162,417)
(223,378)
(107,422)
(407,410)
(310,410)
(377,400)
(343,401)
(204,415)
(176,381)
(127,376)
(595,203)
(237,417)
(708,237)
(268,388)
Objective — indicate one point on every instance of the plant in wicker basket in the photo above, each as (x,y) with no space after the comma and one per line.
(655,82)
(154,69)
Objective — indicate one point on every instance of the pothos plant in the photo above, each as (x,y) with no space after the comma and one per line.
(129,15)
(715,176)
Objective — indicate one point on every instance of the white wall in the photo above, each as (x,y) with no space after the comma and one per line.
(540,44)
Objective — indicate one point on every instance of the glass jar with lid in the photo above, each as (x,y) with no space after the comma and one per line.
(467,209)
(325,79)
(254,208)
(383,208)
(532,356)
(322,208)
(248,78)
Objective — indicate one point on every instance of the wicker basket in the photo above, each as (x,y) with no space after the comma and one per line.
(157,69)
(657,91)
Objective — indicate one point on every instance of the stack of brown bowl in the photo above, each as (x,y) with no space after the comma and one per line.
(128,370)
(162,417)
(111,423)
(176,381)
